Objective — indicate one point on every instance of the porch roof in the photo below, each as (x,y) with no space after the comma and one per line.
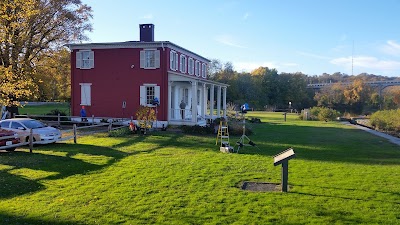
(184,77)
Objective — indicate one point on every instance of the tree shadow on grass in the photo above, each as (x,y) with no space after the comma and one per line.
(323,144)
(56,161)
(18,220)
(324,191)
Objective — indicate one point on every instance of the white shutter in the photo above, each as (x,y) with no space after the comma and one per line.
(157,92)
(171,60)
(157,59)
(142,59)
(143,95)
(176,61)
(91,59)
(85,94)
(181,63)
(78,59)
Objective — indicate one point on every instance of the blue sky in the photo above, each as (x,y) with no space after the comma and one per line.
(309,36)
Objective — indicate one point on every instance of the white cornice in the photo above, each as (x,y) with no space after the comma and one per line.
(192,78)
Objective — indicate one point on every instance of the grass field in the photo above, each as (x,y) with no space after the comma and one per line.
(340,175)
(44,109)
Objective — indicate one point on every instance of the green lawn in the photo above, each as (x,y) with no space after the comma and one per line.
(44,109)
(341,175)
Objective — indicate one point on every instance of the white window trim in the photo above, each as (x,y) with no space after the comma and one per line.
(79,59)
(183,63)
(173,60)
(191,65)
(143,94)
(197,68)
(204,70)
(143,63)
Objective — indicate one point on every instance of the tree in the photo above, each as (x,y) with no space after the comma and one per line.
(30,30)
(55,69)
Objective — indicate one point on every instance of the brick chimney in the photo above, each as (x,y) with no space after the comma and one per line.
(146,32)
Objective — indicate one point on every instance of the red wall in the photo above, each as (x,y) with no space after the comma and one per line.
(114,80)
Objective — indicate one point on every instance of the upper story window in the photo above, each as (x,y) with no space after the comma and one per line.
(183,63)
(150,59)
(173,60)
(204,70)
(85,59)
(197,68)
(191,66)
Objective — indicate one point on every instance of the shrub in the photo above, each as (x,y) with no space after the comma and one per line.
(196,129)
(323,114)
(53,112)
(388,120)
(145,116)
(236,128)
(122,132)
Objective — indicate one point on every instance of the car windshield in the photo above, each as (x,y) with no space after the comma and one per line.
(32,124)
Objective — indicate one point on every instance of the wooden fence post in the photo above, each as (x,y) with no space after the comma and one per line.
(31,140)
(74,133)
(110,126)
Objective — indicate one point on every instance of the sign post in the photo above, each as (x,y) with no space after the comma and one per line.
(283,158)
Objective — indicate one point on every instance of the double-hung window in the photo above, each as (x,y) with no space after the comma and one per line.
(191,66)
(183,63)
(173,60)
(150,59)
(148,92)
(85,59)
(197,68)
(204,70)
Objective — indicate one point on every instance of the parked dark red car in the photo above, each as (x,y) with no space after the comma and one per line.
(8,141)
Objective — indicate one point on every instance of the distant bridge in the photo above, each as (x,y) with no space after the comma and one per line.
(380,84)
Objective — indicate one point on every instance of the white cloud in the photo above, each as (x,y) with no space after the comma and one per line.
(312,55)
(147,16)
(250,66)
(245,16)
(391,48)
(367,62)
(228,40)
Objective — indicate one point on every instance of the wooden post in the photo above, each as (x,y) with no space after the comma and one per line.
(284,182)
(58,120)
(74,133)
(31,140)
(110,126)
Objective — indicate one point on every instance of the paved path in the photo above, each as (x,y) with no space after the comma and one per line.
(392,139)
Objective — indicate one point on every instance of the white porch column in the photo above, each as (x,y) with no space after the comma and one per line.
(219,101)
(224,100)
(194,101)
(169,112)
(212,100)
(204,102)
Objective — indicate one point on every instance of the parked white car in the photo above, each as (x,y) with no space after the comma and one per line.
(22,126)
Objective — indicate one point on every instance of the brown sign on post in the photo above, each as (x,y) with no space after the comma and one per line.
(283,158)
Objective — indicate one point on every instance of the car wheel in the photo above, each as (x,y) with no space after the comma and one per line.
(10,149)
(27,139)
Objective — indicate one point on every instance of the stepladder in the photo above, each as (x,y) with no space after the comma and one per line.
(223,134)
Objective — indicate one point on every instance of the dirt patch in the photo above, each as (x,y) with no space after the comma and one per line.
(261,187)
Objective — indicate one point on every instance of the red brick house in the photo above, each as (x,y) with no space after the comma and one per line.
(114,79)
